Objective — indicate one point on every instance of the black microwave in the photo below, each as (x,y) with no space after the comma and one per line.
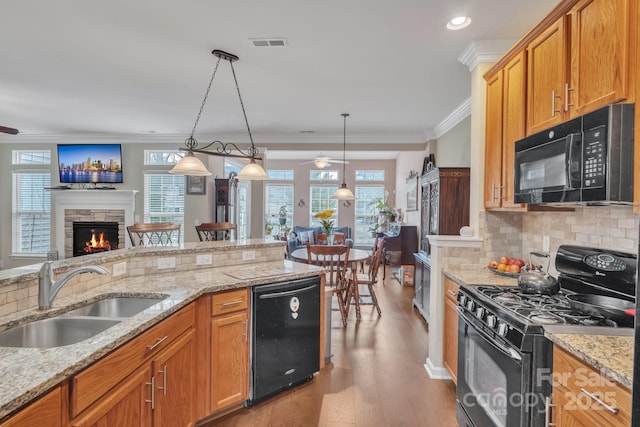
(587,160)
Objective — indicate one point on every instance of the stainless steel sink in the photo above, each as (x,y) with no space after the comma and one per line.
(115,307)
(55,332)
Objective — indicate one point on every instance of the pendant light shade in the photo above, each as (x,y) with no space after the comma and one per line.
(343,193)
(253,171)
(190,165)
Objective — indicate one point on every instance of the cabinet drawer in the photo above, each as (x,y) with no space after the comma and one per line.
(96,380)
(228,302)
(582,386)
(451,289)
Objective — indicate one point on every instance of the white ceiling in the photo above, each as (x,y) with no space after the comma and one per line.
(88,70)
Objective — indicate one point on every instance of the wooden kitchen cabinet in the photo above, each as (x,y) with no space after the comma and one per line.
(128,405)
(505,125)
(576,383)
(547,74)
(229,349)
(46,411)
(450,328)
(581,62)
(148,381)
(174,372)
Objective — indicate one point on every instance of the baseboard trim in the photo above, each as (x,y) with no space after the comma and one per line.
(435,372)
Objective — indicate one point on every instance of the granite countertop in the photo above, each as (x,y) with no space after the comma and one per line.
(478,276)
(28,372)
(608,349)
(611,355)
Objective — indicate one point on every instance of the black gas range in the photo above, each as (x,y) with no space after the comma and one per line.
(502,350)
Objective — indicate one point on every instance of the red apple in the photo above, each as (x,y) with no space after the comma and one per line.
(513,268)
(493,264)
(504,260)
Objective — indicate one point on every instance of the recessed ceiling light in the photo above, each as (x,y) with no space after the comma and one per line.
(459,23)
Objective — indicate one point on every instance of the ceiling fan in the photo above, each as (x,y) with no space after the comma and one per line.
(322,162)
(10,131)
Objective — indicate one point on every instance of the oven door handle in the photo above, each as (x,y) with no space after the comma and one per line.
(509,352)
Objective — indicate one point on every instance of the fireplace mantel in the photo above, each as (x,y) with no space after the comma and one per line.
(123,200)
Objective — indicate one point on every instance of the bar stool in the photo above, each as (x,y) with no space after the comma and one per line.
(212,231)
(154,234)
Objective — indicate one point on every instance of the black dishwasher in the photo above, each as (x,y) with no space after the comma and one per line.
(285,347)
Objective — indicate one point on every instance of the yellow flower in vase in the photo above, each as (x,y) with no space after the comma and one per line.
(325,220)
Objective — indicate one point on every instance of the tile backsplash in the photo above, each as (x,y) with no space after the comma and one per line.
(513,234)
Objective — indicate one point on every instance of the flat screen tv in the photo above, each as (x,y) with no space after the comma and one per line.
(90,163)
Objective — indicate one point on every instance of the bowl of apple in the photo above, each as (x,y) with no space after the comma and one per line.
(507,266)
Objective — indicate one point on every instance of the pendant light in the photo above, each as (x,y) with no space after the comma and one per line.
(343,193)
(192,166)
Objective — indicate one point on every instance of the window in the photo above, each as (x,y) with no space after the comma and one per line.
(323,175)
(280,175)
(164,198)
(31,203)
(321,201)
(377,175)
(366,214)
(155,158)
(277,195)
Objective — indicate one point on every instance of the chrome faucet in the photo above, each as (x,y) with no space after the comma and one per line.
(48,288)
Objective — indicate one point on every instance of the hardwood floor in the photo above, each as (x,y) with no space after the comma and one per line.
(377,377)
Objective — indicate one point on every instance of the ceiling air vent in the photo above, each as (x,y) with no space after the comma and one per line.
(269,42)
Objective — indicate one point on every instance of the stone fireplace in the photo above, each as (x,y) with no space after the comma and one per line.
(97,206)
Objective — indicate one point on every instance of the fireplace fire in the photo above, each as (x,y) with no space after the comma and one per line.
(94,237)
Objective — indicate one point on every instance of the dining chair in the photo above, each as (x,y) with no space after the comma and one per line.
(320,239)
(368,279)
(154,234)
(212,231)
(338,238)
(335,259)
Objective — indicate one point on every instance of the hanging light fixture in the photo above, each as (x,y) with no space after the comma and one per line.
(191,165)
(343,193)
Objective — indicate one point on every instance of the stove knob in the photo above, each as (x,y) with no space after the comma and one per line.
(463,300)
(502,329)
(470,305)
(491,320)
(480,312)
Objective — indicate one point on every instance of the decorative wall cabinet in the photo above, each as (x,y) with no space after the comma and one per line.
(444,203)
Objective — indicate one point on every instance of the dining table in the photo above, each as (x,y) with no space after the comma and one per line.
(355,255)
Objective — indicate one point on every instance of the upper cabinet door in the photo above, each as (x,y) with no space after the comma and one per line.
(547,64)
(600,52)
(513,118)
(493,143)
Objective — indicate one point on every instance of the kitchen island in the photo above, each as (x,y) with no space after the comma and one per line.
(30,372)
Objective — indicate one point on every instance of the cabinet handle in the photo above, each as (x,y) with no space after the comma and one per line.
(553,103)
(547,412)
(153,393)
(451,292)
(593,396)
(158,342)
(164,380)
(246,330)
(566,97)
(493,192)
(227,304)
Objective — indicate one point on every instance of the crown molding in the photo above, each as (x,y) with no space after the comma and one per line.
(461,112)
(483,51)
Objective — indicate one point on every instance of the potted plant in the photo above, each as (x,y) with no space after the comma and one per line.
(374,229)
(282,215)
